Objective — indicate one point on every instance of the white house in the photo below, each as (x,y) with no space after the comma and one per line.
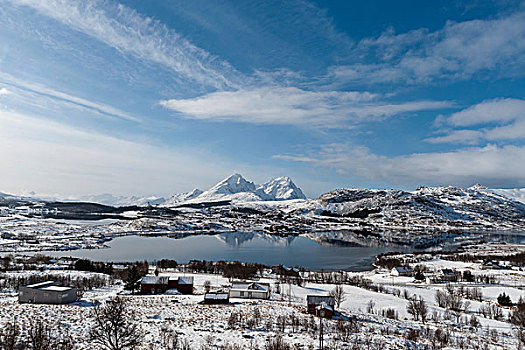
(401,271)
(250,290)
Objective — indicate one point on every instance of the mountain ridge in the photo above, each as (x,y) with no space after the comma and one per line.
(236,188)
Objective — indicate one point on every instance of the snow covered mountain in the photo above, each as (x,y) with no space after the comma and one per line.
(425,206)
(119,201)
(182,197)
(280,188)
(236,188)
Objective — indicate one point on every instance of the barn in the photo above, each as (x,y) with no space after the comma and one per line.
(160,284)
(183,284)
(47,292)
(250,290)
(153,284)
(320,303)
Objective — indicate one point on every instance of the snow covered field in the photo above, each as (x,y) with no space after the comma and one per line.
(210,326)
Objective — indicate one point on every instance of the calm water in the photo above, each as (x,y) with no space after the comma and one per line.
(247,247)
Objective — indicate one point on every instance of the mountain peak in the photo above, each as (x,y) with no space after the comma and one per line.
(281,188)
(234,183)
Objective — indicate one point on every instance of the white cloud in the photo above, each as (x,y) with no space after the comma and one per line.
(459,136)
(491,165)
(4,91)
(457,51)
(503,119)
(49,157)
(143,37)
(32,89)
(496,110)
(293,106)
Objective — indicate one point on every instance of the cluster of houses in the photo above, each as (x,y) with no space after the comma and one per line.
(161,284)
(443,276)
(239,289)
(49,292)
(322,306)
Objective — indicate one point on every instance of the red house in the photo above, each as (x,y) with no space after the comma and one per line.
(320,305)
(183,284)
(160,284)
(153,284)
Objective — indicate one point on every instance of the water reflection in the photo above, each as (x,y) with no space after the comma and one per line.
(262,248)
(247,247)
(236,239)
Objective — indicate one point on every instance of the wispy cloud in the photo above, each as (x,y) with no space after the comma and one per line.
(457,51)
(293,106)
(43,91)
(491,165)
(143,37)
(492,120)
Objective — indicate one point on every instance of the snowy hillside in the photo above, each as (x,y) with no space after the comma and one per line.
(400,216)
(182,197)
(516,194)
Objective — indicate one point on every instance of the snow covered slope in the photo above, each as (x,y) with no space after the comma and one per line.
(182,197)
(516,194)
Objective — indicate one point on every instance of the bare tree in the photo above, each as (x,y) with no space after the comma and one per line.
(339,295)
(441,299)
(517,318)
(113,328)
(418,309)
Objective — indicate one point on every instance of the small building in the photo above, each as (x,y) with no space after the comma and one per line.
(317,303)
(218,297)
(183,284)
(489,264)
(288,274)
(402,271)
(448,275)
(324,310)
(250,290)
(47,293)
(154,284)
(160,284)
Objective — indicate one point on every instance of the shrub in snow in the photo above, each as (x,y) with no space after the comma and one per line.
(277,344)
(504,300)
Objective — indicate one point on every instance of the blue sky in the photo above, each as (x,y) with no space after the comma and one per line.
(158,97)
